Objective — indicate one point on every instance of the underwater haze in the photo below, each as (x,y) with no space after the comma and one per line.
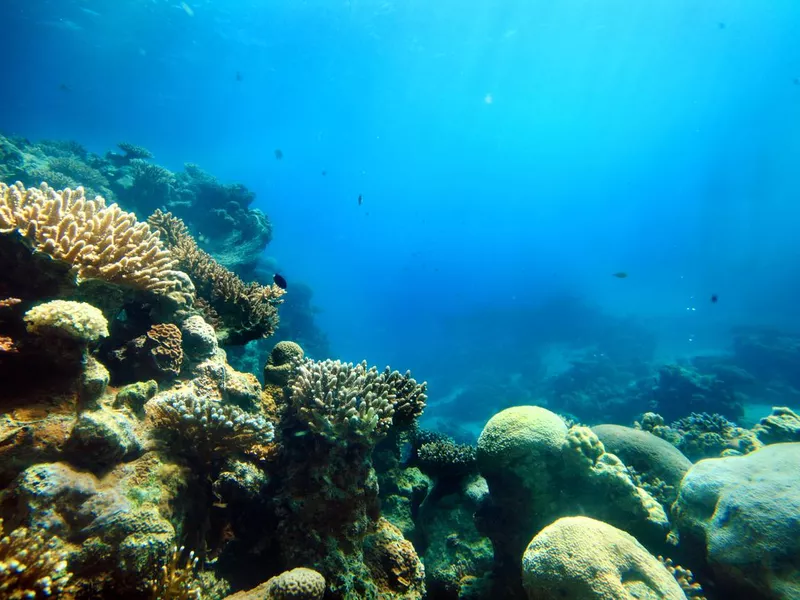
(510,156)
(569,227)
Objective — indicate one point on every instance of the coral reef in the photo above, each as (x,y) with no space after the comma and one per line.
(578,557)
(742,511)
(98,242)
(348,403)
(241,312)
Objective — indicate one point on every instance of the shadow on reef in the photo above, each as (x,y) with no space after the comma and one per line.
(136,462)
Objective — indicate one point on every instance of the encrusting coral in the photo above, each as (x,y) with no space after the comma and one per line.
(244,311)
(32,565)
(97,241)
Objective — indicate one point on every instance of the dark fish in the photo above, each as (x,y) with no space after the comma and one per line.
(278,153)
(360,199)
(721,25)
(796,80)
(279,281)
(714,298)
(324,173)
(64,88)
(620,275)
(239,76)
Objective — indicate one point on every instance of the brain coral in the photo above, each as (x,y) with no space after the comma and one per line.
(521,440)
(297,584)
(579,558)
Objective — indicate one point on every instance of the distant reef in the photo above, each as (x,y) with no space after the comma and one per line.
(218,215)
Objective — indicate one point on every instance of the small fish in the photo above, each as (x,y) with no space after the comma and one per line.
(187,9)
(796,81)
(239,76)
(620,275)
(714,298)
(64,88)
(324,173)
(721,25)
(278,153)
(360,199)
(279,281)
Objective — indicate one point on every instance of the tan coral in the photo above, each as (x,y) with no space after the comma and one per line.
(243,311)
(98,241)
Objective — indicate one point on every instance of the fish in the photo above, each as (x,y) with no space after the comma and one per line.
(187,9)
(278,153)
(239,76)
(360,199)
(324,173)
(714,298)
(620,275)
(279,281)
(64,88)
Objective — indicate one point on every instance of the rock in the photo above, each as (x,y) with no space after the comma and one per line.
(744,511)
(101,438)
(577,558)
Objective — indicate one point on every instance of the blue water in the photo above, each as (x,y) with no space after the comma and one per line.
(511,156)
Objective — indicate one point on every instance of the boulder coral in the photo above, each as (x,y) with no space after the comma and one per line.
(578,558)
(743,511)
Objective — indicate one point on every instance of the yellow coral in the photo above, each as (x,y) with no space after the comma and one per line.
(31,566)
(98,241)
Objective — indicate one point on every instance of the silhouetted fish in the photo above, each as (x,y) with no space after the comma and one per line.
(279,281)
(620,275)
(278,153)
(324,173)
(239,76)
(714,298)
(64,88)
(360,199)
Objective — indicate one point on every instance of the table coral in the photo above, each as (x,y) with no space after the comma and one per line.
(97,241)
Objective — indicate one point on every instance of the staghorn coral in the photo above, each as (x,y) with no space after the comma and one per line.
(206,429)
(32,565)
(343,402)
(245,311)
(176,579)
(97,241)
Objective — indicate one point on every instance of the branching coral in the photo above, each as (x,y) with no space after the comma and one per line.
(98,241)
(31,565)
(343,402)
(246,311)
(206,429)
(409,397)
(176,580)
(446,459)
(685,579)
